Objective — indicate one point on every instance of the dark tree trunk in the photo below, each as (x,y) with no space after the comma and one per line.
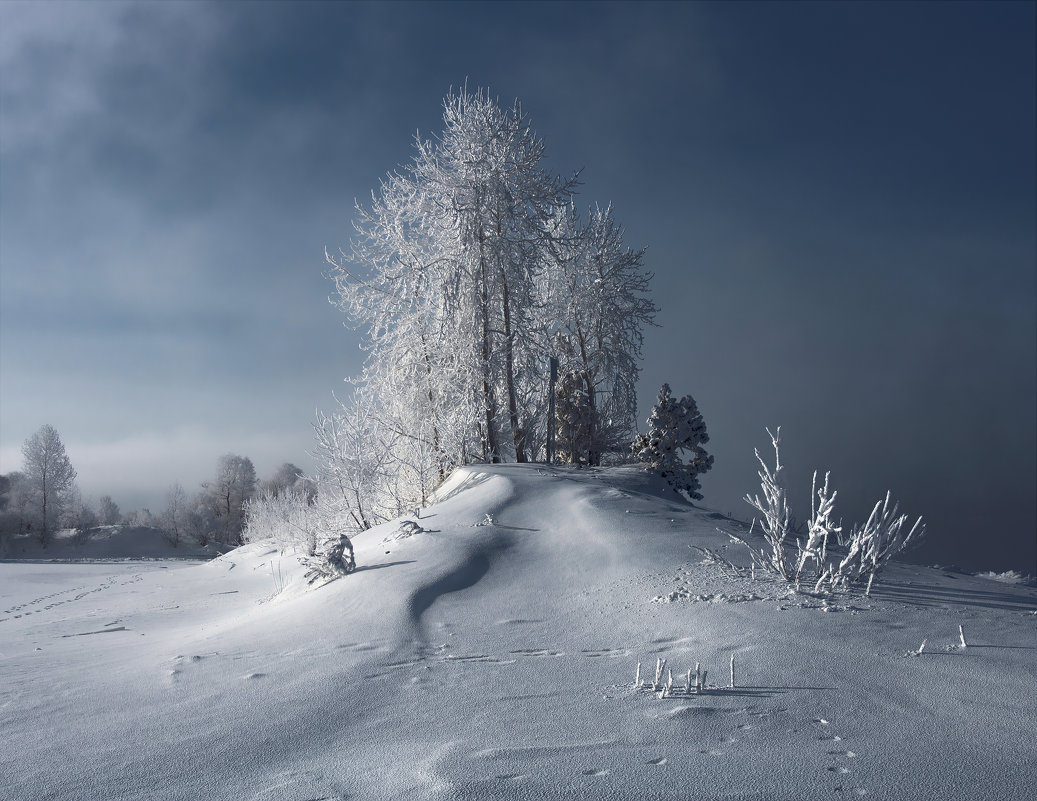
(491,450)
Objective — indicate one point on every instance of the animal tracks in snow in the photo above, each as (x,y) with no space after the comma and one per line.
(536,652)
(839,759)
(606,653)
(46,603)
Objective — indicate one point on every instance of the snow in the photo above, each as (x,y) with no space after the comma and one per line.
(492,654)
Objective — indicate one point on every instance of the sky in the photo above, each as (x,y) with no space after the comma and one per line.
(838,202)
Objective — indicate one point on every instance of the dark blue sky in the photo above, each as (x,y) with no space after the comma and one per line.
(838,201)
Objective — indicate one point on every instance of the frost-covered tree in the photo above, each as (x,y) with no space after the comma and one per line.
(468,271)
(174,516)
(49,477)
(7,519)
(14,503)
(108,513)
(285,477)
(675,428)
(223,498)
(598,297)
(78,514)
(575,420)
(359,483)
(444,272)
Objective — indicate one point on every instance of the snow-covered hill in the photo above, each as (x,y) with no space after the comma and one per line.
(493,655)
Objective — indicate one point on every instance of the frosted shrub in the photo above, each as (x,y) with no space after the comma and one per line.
(284,516)
(334,557)
(1008,577)
(881,538)
(310,524)
(868,548)
(819,528)
(774,508)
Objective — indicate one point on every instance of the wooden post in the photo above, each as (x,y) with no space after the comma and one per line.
(551,412)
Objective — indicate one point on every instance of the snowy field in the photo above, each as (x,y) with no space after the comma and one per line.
(493,655)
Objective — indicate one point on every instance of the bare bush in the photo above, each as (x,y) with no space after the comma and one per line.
(774,508)
(868,548)
(875,543)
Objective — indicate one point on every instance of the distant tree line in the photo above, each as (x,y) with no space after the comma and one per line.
(43,498)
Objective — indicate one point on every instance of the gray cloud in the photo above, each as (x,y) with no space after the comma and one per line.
(838,202)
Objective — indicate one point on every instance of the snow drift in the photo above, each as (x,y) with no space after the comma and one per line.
(487,647)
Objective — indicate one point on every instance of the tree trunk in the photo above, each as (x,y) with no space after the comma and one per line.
(432,406)
(509,368)
(593,445)
(491,450)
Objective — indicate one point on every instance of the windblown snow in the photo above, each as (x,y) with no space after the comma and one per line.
(487,647)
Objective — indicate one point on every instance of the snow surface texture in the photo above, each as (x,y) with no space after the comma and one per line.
(492,654)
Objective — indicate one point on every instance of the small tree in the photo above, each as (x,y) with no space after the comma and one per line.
(225,496)
(50,477)
(675,426)
(174,516)
(14,503)
(286,477)
(108,511)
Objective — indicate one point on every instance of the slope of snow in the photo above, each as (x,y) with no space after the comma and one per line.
(492,655)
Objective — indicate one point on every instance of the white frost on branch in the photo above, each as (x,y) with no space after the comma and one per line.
(867,549)
(881,538)
(774,508)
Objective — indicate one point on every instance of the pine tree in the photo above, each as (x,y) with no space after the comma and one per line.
(675,426)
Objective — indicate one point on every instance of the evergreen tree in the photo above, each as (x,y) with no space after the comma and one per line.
(675,426)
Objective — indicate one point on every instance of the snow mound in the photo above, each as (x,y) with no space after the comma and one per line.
(1009,577)
(493,654)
